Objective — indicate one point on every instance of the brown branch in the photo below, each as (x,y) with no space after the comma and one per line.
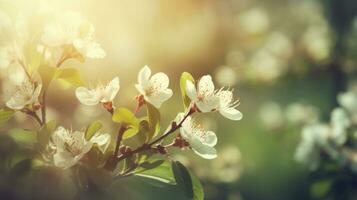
(34,115)
(148,146)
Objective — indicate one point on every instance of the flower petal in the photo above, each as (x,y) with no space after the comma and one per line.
(205,151)
(94,50)
(191,90)
(143,77)
(205,85)
(210,138)
(158,98)
(111,90)
(160,81)
(86,96)
(15,104)
(102,140)
(64,159)
(208,104)
(231,113)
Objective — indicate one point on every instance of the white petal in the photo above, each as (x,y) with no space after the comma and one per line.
(210,138)
(226,97)
(208,104)
(64,159)
(94,50)
(143,77)
(140,89)
(205,151)
(159,81)
(231,113)
(159,98)
(191,90)
(87,97)
(111,90)
(15,104)
(205,85)
(102,140)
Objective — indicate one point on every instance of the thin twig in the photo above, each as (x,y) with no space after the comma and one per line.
(34,115)
(24,68)
(145,147)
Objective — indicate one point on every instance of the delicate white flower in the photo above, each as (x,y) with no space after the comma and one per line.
(207,99)
(154,88)
(339,124)
(70,147)
(227,105)
(348,100)
(25,94)
(205,96)
(201,141)
(71,29)
(314,137)
(101,94)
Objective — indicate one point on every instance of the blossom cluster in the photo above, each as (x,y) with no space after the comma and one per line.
(71,37)
(334,141)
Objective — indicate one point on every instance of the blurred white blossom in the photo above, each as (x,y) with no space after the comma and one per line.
(101,94)
(24,95)
(71,28)
(70,147)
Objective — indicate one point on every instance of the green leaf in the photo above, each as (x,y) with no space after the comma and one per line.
(125,116)
(5,115)
(198,193)
(70,75)
(23,136)
(321,188)
(92,129)
(45,133)
(154,121)
(47,74)
(161,172)
(185,76)
(183,178)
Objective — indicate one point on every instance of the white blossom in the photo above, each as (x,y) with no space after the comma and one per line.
(25,94)
(154,88)
(314,137)
(204,96)
(207,99)
(71,29)
(201,141)
(70,147)
(101,94)
(339,123)
(227,107)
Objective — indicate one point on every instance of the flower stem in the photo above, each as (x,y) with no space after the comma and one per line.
(34,115)
(148,146)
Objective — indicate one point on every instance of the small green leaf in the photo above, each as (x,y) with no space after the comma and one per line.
(5,115)
(92,129)
(70,75)
(185,76)
(321,188)
(125,116)
(161,172)
(44,134)
(183,178)
(47,74)
(154,121)
(130,132)
(23,136)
